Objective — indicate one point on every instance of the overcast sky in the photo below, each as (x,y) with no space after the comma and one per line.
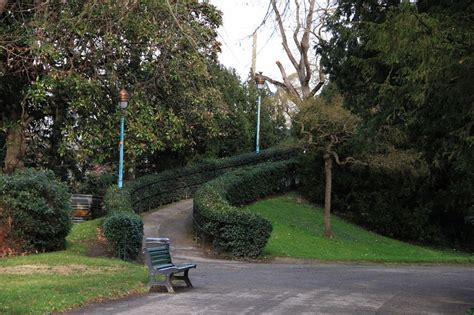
(240,19)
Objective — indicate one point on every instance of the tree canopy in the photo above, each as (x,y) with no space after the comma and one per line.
(63,62)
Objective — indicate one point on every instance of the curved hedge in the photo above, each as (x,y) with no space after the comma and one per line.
(151,191)
(230,229)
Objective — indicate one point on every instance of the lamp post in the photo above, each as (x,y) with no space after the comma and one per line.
(260,81)
(123,103)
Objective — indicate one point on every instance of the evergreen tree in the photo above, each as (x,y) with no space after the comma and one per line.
(407,69)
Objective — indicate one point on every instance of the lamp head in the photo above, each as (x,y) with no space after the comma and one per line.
(123,99)
(260,81)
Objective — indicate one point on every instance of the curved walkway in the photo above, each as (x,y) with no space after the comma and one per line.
(279,287)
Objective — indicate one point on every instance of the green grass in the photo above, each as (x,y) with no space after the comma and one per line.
(297,232)
(43,283)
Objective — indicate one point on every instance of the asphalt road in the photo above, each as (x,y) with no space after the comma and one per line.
(292,286)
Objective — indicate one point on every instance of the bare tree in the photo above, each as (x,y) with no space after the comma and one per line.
(303,23)
(323,123)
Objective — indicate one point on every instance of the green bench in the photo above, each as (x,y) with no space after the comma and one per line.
(158,260)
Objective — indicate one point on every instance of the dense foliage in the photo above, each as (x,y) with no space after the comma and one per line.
(96,184)
(388,200)
(231,230)
(151,191)
(34,211)
(406,69)
(62,63)
(235,120)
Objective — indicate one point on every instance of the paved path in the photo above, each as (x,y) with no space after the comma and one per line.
(297,287)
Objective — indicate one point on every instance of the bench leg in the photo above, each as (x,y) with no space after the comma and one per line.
(186,279)
(151,282)
(168,284)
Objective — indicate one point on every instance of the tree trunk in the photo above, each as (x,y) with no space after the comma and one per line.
(15,148)
(3,5)
(327,195)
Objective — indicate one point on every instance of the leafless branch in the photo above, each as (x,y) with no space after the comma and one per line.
(305,46)
(283,34)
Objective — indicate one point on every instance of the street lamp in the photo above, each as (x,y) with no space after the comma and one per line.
(123,103)
(260,81)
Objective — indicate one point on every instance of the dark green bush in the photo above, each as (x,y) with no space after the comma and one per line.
(34,210)
(388,201)
(151,191)
(124,232)
(232,230)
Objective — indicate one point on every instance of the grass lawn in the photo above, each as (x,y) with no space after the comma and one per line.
(297,232)
(43,283)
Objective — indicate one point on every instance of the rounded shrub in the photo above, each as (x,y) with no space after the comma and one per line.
(124,232)
(34,210)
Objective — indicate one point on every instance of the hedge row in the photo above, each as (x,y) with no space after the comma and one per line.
(397,202)
(151,191)
(231,230)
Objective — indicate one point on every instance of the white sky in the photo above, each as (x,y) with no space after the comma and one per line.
(240,19)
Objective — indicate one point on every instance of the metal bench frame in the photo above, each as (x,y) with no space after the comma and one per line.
(158,260)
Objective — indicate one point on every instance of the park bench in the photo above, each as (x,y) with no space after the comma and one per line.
(158,260)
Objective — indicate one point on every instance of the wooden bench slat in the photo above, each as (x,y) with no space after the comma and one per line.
(160,257)
(162,266)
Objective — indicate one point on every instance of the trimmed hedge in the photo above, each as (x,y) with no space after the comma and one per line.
(231,230)
(34,210)
(395,202)
(151,191)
